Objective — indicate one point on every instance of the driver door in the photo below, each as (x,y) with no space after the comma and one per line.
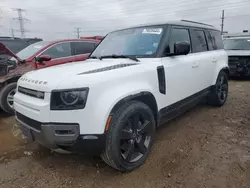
(181,71)
(60,53)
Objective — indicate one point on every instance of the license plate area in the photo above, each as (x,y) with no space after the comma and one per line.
(27,133)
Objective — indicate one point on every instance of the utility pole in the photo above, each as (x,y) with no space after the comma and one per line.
(222,22)
(78,31)
(12,32)
(21,20)
(1,17)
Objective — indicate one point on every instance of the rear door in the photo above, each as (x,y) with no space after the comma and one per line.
(81,50)
(204,59)
(216,48)
(60,53)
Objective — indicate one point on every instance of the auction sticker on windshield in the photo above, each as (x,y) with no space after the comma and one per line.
(155,31)
(38,46)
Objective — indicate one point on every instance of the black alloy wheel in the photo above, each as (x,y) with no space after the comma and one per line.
(222,88)
(130,136)
(135,137)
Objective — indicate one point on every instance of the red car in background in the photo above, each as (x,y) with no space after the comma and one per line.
(36,56)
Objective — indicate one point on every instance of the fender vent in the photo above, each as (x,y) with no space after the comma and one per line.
(106,68)
(161,79)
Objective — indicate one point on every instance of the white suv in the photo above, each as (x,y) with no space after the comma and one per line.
(135,80)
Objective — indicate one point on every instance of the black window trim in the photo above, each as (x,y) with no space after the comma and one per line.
(207,32)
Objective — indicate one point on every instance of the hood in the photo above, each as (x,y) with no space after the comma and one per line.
(4,50)
(49,78)
(238,52)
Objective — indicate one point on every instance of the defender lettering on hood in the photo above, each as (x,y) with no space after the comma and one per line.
(33,81)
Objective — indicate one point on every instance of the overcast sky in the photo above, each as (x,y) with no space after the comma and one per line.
(52,19)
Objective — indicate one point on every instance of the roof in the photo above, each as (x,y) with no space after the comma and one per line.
(180,23)
(240,37)
(71,40)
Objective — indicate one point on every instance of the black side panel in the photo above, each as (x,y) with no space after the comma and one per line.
(161,79)
(174,110)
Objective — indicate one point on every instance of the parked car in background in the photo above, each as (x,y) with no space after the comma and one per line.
(134,81)
(36,56)
(16,44)
(238,49)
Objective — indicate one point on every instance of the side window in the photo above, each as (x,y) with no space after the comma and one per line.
(82,47)
(178,35)
(199,41)
(216,40)
(59,50)
(209,41)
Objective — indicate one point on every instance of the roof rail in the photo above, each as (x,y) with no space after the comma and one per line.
(197,23)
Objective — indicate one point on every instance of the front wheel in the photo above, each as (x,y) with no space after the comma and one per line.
(219,93)
(7,98)
(130,136)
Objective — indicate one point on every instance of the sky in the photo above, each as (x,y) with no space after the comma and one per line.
(58,19)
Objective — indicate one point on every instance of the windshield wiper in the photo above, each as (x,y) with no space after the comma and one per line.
(94,57)
(120,56)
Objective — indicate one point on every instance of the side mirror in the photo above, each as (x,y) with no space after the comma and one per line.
(43,58)
(181,48)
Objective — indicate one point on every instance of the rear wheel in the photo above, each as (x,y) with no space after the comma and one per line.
(7,98)
(219,93)
(130,137)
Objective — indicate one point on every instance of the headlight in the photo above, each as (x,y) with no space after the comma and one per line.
(69,99)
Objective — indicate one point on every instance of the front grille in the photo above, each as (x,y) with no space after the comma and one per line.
(30,122)
(31,92)
(235,60)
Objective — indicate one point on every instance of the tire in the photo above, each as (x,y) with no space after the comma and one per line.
(219,93)
(5,92)
(118,150)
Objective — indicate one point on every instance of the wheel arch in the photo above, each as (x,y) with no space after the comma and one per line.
(13,79)
(145,96)
(224,69)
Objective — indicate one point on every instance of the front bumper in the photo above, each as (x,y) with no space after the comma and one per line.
(64,136)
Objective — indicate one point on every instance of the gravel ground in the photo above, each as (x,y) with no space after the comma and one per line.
(205,147)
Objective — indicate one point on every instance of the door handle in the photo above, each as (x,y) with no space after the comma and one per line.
(195,65)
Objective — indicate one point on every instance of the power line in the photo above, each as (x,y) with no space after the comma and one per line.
(21,20)
(165,6)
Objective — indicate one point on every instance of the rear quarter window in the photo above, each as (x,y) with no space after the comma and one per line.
(216,38)
(82,47)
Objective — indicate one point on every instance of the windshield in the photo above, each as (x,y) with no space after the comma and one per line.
(31,49)
(237,44)
(130,42)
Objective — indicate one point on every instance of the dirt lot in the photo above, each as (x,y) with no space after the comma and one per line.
(206,147)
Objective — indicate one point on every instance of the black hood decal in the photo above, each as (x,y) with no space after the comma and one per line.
(107,68)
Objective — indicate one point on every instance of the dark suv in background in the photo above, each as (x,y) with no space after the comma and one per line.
(16,44)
